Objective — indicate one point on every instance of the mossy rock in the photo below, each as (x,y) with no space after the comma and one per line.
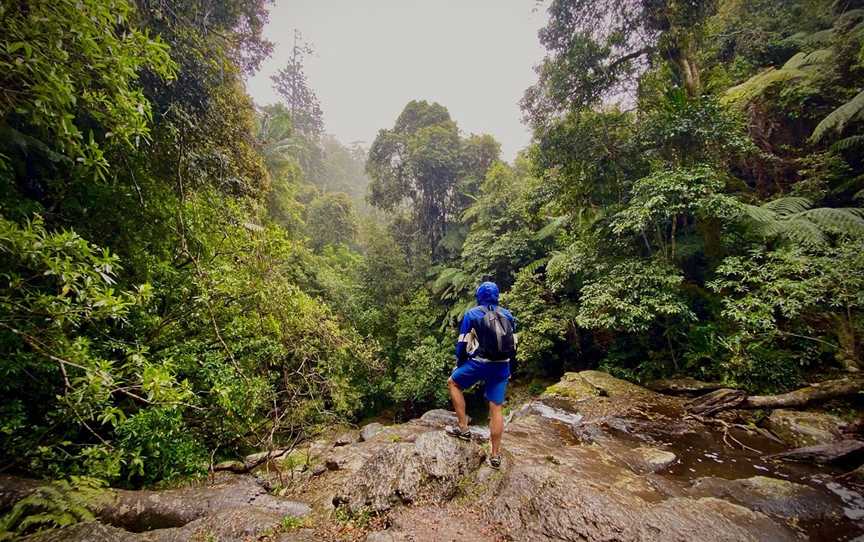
(573,386)
(803,428)
(614,387)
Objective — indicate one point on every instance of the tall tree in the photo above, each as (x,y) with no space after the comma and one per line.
(596,47)
(421,162)
(292,85)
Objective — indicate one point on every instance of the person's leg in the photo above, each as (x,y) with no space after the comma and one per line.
(497,375)
(458,400)
(496,427)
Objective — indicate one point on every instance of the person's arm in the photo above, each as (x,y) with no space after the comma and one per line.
(462,341)
(515,355)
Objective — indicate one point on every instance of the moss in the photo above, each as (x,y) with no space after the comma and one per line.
(572,386)
(296,458)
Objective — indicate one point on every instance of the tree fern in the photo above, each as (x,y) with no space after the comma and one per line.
(849,221)
(838,119)
(757,85)
(788,206)
(792,218)
(802,60)
(451,282)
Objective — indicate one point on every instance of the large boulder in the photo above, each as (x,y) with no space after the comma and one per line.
(391,476)
(573,386)
(90,531)
(802,428)
(770,495)
(613,387)
(395,473)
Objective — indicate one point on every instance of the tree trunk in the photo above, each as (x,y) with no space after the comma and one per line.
(823,391)
(727,399)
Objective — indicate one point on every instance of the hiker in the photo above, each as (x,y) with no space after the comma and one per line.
(484,352)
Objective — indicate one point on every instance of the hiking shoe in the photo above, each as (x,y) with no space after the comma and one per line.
(456,431)
(495,462)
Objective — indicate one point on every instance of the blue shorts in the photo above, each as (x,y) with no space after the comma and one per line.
(493,374)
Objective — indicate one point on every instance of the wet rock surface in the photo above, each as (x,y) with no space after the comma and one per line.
(801,428)
(594,458)
(772,496)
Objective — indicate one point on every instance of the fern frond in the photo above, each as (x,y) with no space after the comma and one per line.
(532,267)
(837,120)
(795,62)
(55,505)
(757,85)
(819,38)
(789,205)
(803,60)
(848,143)
(550,229)
(758,213)
(849,221)
(450,280)
(799,230)
(471,213)
(793,219)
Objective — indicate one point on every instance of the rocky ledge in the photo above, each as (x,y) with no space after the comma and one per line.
(594,458)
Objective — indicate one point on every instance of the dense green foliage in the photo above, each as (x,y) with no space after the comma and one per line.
(187,277)
(707,225)
(160,303)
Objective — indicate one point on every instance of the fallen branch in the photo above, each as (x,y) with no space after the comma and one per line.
(727,399)
(717,401)
(823,391)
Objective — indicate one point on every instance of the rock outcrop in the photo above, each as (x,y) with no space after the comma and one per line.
(595,458)
(231,507)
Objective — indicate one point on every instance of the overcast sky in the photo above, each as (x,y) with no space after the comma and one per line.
(373,56)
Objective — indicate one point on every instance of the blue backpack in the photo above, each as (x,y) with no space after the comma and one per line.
(495,336)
